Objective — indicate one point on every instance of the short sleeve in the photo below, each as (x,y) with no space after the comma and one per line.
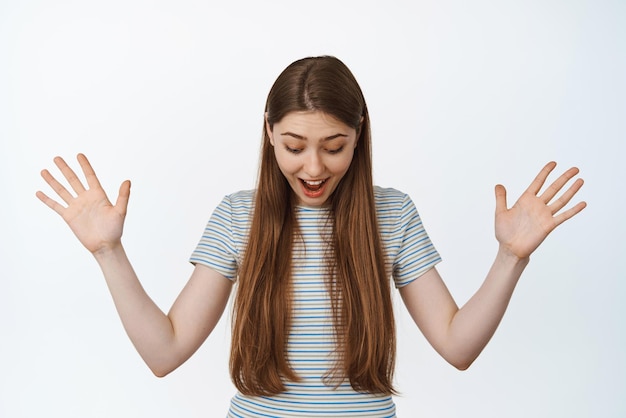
(218,248)
(409,250)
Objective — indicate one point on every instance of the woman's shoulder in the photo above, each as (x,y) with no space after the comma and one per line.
(387,196)
(241,196)
(392,202)
(240,199)
(237,205)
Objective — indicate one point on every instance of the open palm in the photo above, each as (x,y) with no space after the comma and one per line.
(94,220)
(524,226)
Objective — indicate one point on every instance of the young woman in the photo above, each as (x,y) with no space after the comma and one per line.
(312,250)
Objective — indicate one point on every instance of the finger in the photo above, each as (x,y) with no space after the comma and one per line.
(51,203)
(569,213)
(122,198)
(88,171)
(538,182)
(57,187)
(70,175)
(558,184)
(567,196)
(500,199)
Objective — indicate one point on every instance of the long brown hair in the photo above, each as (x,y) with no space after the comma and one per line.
(358,284)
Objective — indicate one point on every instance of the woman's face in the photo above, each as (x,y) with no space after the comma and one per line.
(314,151)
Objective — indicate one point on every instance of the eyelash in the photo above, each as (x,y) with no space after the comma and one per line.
(330,151)
(293,150)
(335,151)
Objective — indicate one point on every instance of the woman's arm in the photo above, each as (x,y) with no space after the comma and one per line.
(163,341)
(459,335)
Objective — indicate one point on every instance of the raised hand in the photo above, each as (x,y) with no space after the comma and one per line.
(94,220)
(521,229)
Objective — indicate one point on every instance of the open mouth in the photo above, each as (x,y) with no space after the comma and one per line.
(313,188)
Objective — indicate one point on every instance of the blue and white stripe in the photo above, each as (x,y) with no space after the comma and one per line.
(311,347)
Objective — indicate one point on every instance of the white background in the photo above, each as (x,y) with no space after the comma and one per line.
(462,95)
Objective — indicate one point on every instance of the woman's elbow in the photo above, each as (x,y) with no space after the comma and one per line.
(461,363)
(166,362)
(462,366)
(160,372)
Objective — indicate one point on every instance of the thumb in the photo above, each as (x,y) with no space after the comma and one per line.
(500,199)
(122,198)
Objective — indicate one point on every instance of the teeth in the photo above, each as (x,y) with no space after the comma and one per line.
(314,183)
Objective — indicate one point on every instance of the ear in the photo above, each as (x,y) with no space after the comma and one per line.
(268,129)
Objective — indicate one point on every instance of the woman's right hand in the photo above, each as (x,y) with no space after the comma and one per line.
(94,220)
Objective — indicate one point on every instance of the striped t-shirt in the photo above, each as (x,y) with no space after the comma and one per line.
(311,347)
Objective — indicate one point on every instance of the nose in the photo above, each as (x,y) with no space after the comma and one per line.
(314,166)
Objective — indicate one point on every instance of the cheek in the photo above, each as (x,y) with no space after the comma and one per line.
(287,163)
(341,165)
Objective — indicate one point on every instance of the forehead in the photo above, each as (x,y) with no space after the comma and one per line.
(312,121)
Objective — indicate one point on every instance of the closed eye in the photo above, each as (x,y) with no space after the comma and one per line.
(293,150)
(336,150)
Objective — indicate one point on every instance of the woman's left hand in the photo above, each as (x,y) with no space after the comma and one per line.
(521,229)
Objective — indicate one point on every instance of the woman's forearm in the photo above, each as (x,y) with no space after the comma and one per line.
(474,324)
(148,327)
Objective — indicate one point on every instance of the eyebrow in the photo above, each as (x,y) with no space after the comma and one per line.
(302,138)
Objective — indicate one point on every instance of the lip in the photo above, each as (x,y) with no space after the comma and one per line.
(313,180)
(313,194)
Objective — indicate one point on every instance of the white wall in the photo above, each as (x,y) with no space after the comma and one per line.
(170,94)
